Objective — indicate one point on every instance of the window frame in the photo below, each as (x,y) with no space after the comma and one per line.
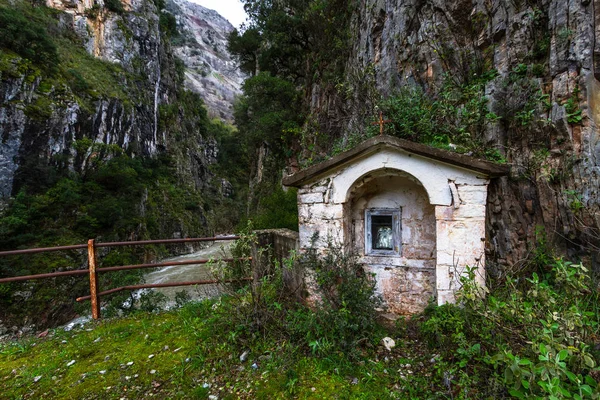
(396,214)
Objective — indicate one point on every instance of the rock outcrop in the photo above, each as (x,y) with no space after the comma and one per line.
(544,57)
(202,46)
(41,118)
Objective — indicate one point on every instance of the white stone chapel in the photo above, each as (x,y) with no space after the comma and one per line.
(414,215)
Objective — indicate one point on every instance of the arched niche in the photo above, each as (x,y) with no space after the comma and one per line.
(403,258)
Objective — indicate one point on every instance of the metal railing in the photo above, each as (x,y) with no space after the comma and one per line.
(93,271)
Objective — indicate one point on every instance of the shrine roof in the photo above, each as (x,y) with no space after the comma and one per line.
(377,143)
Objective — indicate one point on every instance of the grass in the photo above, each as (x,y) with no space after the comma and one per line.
(187,354)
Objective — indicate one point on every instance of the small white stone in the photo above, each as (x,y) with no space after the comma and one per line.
(70,363)
(97,340)
(213,397)
(127,378)
(151,356)
(64,342)
(152,371)
(37,379)
(388,343)
(174,351)
(102,372)
(244,356)
(130,363)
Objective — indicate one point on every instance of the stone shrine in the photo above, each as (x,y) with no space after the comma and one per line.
(414,215)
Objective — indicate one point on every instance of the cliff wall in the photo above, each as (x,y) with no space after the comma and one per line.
(543,55)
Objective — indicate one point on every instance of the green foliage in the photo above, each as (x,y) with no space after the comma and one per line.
(246,48)
(105,202)
(277,210)
(293,44)
(269,108)
(152,301)
(339,326)
(344,317)
(532,337)
(572,108)
(455,120)
(114,6)
(574,200)
(294,40)
(168,24)
(27,37)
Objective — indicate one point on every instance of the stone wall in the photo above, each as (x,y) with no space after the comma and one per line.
(282,243)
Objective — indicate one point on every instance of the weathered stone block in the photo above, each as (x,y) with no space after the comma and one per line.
(310,198)
(470,194)
(326,211)
(445,296)
(464,211)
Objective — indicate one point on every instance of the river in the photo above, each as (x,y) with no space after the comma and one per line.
(193,272)
(180,273)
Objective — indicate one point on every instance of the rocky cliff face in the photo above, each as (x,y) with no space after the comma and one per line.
(116,85)
(544,51)
(202,46)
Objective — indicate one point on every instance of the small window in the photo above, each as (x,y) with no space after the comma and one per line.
(382,231)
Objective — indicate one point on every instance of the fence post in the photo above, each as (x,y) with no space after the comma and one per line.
(93,279)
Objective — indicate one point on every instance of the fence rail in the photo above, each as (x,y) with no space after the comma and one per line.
(93,271)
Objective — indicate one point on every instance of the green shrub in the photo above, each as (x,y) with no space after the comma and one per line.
(279,209)
(454,120)
(27,37)
(114,6)
(532,338)
(344,316)
(340,325)
(168,24)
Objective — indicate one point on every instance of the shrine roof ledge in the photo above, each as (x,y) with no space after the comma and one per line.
(488,168)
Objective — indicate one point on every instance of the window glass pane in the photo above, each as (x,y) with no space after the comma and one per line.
(381,232)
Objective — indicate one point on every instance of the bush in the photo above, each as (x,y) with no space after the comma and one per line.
(532,339)
(345,316)
(344,319)
(279,209)
(27,38)
(114,6)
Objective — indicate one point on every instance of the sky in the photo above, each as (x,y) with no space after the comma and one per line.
(232,10)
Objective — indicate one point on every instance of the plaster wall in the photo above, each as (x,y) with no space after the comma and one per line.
(443,222)
(406,282)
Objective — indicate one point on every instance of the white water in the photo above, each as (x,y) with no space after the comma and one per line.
(180,273)
(156,94)
(193,272)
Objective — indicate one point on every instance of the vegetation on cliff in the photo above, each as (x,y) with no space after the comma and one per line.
(95,185)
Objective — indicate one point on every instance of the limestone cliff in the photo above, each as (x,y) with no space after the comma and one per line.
(543,55)
(122,93)
(202,46)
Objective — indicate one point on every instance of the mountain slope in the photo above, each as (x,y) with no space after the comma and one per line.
(202,46)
